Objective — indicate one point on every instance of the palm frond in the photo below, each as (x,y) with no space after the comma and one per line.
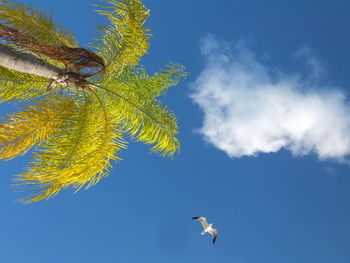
(154,85)
(21,87)
(124,41)
(158,128)
(142,116)
(79,155)
(35,23)
(36,123)
(168,77)
(132,98)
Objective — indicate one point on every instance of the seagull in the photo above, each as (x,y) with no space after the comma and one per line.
(207,227)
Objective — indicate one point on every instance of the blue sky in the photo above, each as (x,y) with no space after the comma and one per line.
(288,206)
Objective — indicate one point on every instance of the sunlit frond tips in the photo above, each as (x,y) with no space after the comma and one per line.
(124,40)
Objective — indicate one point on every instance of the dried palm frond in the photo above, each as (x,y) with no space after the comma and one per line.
(71,57)
(35,24)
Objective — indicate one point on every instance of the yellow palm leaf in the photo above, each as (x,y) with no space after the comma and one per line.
(35,124)
(79,155)
(124,41)
(18,86)
(35,23)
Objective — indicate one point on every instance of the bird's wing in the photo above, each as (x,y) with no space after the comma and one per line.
(202,219)
(214,233)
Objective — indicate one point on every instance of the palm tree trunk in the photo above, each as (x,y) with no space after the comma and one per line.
(28,63)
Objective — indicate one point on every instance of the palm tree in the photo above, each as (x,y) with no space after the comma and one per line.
(84,103)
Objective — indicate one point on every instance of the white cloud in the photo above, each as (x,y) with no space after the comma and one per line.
(249,109)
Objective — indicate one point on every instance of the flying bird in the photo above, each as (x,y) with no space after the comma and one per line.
(207,227)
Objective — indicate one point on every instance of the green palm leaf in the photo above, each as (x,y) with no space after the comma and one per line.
(132,99)
(156,84)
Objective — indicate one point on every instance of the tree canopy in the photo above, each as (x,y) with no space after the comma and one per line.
(77,127)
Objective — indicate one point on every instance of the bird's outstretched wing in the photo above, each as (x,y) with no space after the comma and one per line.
(202,219)
(214,233)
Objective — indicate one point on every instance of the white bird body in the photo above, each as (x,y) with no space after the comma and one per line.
(207,227)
